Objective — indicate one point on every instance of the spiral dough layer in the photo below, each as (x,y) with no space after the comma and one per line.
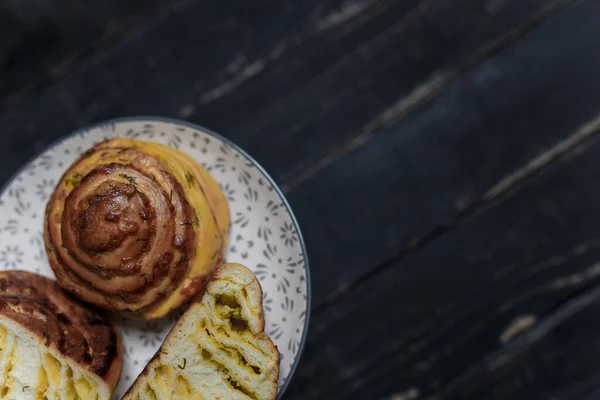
(81,334)
(135,226)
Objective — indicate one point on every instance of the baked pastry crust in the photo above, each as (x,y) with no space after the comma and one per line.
(52,346)
(217,349)
(135,226)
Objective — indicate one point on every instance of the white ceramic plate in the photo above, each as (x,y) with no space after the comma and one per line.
(264,233)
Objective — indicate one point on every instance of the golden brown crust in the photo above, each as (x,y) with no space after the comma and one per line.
(257,298)
(120,231)
(256,324)
(81,334)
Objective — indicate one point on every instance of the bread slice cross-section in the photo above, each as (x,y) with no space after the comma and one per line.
(52,346)
(217,349)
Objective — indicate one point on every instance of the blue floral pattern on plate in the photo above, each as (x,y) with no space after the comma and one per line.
(264,235)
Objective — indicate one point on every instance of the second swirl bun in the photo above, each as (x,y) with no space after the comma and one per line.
(135,226)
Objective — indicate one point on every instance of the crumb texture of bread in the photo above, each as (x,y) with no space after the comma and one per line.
(218,348)
(29,370)
(52,346)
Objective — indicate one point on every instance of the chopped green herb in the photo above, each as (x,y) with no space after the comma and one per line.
(131,179)
(184,363)
(74,180)
(181,261)
(25,387)
(190,179)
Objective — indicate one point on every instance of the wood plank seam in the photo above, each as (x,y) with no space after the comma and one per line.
(419,339)
(575,280)
(253,68)
(554,261)
(579,140)
(423,93)
(369,49)
(116,35)
(122,32)
(330,21)
(529,337)
(533,331)
(347,12)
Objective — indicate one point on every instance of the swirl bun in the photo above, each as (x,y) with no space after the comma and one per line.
(135,226)
(51,346)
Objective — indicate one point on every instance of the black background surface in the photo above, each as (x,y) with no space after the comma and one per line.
(442,158)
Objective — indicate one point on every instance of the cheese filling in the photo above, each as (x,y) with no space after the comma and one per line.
(29,371)
(217,352)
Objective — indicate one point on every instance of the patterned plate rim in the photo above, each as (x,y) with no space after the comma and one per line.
(143,118)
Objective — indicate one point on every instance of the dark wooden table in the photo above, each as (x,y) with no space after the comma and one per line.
(442,157)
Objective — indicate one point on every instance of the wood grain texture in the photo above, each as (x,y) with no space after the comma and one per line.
(433,315)
(557,359)
(442,310)
(43,40)
(446,200)
(422,176)
(155,72)
(306,75)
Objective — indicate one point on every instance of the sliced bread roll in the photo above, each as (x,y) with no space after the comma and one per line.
(51,345)
(217,349)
